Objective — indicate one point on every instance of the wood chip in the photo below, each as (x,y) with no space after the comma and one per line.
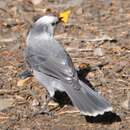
(23,82)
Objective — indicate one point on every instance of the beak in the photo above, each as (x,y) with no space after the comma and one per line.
(64,16)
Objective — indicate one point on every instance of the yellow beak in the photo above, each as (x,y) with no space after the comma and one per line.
(64,16)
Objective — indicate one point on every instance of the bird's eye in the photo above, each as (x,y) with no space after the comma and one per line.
(53,24)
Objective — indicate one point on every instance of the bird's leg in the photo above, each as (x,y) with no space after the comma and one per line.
(44,109)
(45,106)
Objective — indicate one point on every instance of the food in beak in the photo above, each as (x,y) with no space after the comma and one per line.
(64,16)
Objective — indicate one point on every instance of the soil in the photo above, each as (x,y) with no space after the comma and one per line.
(97,35)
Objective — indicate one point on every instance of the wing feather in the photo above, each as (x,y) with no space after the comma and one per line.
(51,65)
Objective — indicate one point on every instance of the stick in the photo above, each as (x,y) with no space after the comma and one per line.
(7,91)
(98,39)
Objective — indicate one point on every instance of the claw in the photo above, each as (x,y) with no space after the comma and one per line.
(43,111)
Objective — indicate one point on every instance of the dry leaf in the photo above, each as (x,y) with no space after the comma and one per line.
(99,52)
(23,82)
(83,65)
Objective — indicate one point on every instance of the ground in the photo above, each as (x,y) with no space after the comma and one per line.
(97,33)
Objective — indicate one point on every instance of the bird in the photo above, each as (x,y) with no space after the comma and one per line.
(53,68)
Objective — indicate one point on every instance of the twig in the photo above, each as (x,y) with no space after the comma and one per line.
(77,49)
(7,91)
(68,112)
(98,39)
(123,81)
(8,39)
(3,10)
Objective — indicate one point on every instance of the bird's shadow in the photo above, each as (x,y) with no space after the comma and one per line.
(107,118)
(82,73)
(62,98)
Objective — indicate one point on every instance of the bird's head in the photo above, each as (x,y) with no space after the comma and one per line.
(48,21)
(45,25)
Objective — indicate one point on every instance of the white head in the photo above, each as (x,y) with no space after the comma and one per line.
(44,25)
(47,20)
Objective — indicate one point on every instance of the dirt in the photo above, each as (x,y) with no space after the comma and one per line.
(97,34)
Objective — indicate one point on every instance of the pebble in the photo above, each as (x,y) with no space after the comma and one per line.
(99,52)
(126,103)
(36,2)
(6,103)
(35,102)
(79,11)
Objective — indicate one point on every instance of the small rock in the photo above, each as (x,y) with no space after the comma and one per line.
(98,52)
(119,66)
(10,22)
(79,11)
(36,2)
(126,103)
(35,103)
(6,103)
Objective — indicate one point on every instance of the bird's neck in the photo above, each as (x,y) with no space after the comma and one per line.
(48,30)
(47,35)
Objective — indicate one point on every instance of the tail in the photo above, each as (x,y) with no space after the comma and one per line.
(86,100)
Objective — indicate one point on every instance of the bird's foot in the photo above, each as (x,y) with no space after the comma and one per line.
(43,111)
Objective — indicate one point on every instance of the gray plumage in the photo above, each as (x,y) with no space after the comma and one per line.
(53,68)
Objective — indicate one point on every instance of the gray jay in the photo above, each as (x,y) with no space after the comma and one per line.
(52,67)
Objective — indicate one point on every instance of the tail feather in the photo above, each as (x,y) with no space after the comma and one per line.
(86,100)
